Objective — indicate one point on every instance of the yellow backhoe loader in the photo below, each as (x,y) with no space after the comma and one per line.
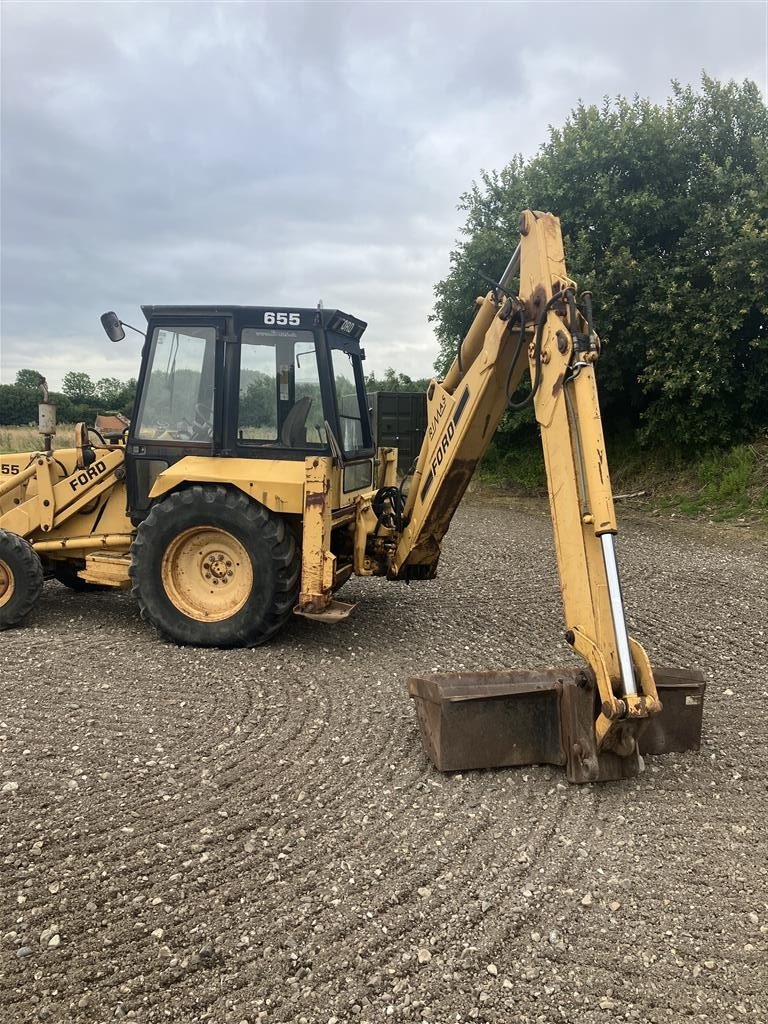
(247,488)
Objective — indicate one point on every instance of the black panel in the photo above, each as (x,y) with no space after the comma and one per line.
(400,421)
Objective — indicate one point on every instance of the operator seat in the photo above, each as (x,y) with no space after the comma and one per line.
(293,432)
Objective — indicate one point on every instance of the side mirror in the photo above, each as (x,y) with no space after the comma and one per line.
(112,326)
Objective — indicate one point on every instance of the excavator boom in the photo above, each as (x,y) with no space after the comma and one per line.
(547,328)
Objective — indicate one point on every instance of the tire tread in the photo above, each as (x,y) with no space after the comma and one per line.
(28,580)
(265,528)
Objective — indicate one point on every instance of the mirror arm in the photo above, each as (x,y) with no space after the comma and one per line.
(130,327)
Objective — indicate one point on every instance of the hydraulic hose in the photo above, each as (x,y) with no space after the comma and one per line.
(516,356)
(515,406)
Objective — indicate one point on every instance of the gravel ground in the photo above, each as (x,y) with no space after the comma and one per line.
(194,835)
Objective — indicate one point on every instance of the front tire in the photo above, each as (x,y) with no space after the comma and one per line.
(212,568)
(21,579)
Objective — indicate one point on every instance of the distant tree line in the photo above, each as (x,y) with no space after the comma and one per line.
(80,398)
(664,210)
(394,381)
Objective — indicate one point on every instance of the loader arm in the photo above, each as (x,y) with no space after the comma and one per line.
(542,330)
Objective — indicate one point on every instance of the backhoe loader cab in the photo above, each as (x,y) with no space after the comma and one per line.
(248,382)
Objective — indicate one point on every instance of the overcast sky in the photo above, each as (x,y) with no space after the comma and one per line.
(282,153)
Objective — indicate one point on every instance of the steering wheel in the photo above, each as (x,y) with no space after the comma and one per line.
(203,422)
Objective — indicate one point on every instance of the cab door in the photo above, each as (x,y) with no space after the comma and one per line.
(178,409)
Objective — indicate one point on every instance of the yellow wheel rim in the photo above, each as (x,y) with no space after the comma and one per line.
(207,574)
(7,584)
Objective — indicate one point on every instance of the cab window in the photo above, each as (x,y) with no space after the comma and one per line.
(257,419)
(177,398)
(280,402)
(350,399)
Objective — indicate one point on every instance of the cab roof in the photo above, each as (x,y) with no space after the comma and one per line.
(254,316)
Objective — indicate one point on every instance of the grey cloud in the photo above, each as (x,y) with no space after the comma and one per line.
(286,152)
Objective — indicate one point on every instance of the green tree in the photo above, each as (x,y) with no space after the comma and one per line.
(258,403)
(109,392)
(78,386)
(81,398)
(394,381)
(18,405)
(664,211)
(127,397)
(29,380)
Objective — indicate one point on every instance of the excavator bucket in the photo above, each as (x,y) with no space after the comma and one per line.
(474,720)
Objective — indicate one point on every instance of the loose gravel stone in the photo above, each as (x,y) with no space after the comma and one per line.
(48,933)
(220,861)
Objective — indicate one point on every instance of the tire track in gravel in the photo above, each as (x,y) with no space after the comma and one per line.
(396,914)
(205,814)
(272,729)
(481,850)
(341,936)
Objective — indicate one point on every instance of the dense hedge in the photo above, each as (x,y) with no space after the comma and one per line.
(664,210)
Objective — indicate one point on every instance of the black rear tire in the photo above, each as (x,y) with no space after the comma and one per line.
(21,579)
(180,572)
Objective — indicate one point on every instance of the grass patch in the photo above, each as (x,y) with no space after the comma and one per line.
(520,470)
(726,485)
(27,439)
(721,486)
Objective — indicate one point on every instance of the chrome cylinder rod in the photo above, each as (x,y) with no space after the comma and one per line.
(617,611)
(512,268)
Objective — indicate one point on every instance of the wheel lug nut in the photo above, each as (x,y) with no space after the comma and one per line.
(230,573)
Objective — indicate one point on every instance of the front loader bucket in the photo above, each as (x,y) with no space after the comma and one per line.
(546,716)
